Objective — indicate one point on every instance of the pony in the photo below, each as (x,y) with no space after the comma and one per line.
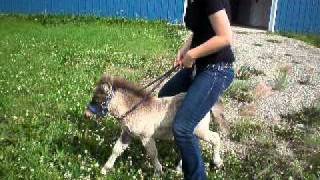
(151,120)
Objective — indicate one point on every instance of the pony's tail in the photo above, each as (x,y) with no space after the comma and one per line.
(217,115)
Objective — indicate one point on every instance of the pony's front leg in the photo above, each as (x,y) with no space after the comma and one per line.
(121,144)
(150,146)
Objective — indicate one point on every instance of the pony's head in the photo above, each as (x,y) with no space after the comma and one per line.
(99,104)
(105,92)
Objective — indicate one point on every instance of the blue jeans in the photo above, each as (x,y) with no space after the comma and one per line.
(202,93)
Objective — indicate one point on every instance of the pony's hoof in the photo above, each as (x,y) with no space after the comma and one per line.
(105,171)
(158,172)
(218,163)
(179,168)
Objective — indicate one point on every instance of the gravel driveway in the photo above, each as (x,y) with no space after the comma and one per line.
(269,52)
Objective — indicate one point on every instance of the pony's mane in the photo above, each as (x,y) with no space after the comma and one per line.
(119,83)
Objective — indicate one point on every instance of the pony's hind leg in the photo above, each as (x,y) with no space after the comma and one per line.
(151,149)
(121,144)
(179,167)
(214,139)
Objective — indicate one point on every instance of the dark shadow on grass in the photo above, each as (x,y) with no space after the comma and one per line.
(133,158)
(308,117)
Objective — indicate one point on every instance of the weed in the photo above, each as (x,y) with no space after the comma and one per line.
(245,129)
(273,41)
(240,91)
(281,80)
(258,44)
(245,72)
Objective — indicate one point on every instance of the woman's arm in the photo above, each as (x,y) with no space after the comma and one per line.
(221,25)
(187,44)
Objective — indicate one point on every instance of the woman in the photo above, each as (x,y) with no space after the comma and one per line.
(208,48)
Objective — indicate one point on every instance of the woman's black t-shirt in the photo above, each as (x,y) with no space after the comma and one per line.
(197,20)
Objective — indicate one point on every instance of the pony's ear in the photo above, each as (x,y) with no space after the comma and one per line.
(105,78)
(105,87)
(105,83)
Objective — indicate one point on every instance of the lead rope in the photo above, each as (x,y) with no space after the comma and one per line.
(165,75)
(159,80)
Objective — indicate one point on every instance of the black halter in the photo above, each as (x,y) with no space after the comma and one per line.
(101,110)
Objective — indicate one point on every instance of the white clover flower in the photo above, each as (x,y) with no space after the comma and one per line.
(97,138)
(41,159)
(67,175)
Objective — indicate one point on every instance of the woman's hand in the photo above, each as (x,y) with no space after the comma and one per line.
(181,53)
(184,59)
(188,59)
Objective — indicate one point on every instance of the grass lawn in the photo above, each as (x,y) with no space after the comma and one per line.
(310,39)
(48,68)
